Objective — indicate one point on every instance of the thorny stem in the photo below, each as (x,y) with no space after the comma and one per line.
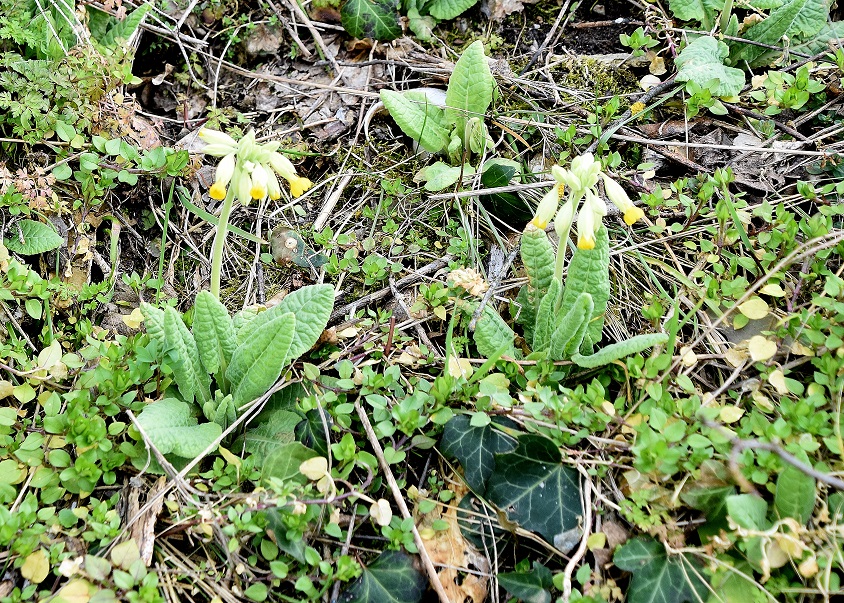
(220,241)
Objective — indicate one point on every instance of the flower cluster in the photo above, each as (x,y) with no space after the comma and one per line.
(582,179)
(249,169)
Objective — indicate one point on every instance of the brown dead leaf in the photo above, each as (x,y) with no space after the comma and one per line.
(143,526)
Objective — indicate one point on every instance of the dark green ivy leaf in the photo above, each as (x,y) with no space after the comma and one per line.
(530,587)
(538,492)
(658,578)
(475,448)
(377,19)
(389,579)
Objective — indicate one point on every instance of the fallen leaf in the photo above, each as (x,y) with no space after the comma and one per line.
(773,290)
(36,566)
(459,367)
(777,379)
(381,512)
(314,468)
(731,414)
(761,348)
(133,320)
(755,308)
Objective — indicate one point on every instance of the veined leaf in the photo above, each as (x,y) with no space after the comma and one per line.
(213,332)
(172,428)
(620,350)
(448,9)
(257,363)
(795,494)
(658,578)
(492,333)
(536,491)
(589,273)
(377,19)
(571,328)
(282,462)
(703,61)
(696,10)
(546,317)
(392,578)
(31,238)
(528,587)
(423,121)
(193,380)
(470,88)
(475,448)
(270,434)
(795,18)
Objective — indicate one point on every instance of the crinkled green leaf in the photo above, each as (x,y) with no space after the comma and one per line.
(448,9)
(257,363)
(536,491)
(703,61)
(657,577)
(268,435)
(492,334)
(538,258)
(108,30)
(795,494)
(795,18)
(546,317)
(588,272)
(213,331)
(29,237)
(154,323)
(423,121)
(391,578)
(696,10)
(172,428)
(622,349)
(470,88)
(475,448)
(377,19)
(571,328)
(190,376)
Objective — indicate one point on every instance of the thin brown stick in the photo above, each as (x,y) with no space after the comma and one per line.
(433,577)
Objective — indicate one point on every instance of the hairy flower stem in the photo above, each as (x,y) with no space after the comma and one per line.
(219,242)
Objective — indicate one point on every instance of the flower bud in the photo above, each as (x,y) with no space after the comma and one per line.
(222,177)
(282,165)
(563,220)
(547,208)
(244,187)
(619,197)
(216,137)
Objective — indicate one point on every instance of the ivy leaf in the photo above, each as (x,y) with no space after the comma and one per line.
(470,88)
(417,117)
(377,19)
(696,10)
(311,431)
(529,587)
(31,238)
(658,578)
(172,428)
(535,490)
(703,61)
(391,578)
(795,494)
(213,331)
(475,448)
(257,363)
(283,462)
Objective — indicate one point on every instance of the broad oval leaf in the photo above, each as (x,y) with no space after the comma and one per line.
(172,428)
(703,61)
(284,460)
(492,334)
(470,88)
(448,9)
(213,331)
(658,578)
(418,118)
(257,363)
(263,439)
(475,448)
(795,494)
(377,19)
(536,491)
(31,238)
(392,578)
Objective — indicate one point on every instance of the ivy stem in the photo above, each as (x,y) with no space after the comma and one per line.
(220,241)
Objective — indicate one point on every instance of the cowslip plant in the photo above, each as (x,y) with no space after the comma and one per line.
(456,127)
(247,171)
(243,356)
(561,320)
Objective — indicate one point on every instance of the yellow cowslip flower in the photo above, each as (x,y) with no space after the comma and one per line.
(219,144)
(619,197)
(589,220)
(298,185)
(259,182)
(273,187)
(548,205)
(222,177)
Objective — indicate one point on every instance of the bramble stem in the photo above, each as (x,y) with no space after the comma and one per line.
(219,242)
